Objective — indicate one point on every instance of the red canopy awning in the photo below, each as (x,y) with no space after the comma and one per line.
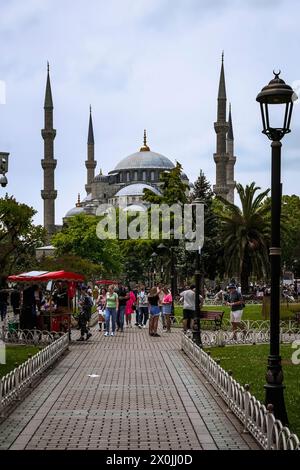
(45,276)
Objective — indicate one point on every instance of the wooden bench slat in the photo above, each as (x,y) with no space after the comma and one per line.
(212,315)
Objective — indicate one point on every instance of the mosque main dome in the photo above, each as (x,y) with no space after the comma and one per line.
(144,159)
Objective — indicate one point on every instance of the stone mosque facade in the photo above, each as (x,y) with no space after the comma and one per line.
(134,173)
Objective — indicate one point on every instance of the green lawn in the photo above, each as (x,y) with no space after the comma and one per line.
(249,365)
(16,354)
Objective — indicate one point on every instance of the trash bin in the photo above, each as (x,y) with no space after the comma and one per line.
(12,327)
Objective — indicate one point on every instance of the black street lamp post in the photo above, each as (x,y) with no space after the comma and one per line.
(153,258)
(277,92)
(197,324)
(3,168)
(165,249)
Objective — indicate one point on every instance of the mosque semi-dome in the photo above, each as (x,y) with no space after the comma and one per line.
(74,211)
(136,190)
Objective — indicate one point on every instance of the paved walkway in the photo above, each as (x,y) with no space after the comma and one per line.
(131,391)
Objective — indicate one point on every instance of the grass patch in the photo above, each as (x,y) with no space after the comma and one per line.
(16,354)
(249,365)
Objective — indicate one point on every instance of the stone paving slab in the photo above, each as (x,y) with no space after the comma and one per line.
(147,395)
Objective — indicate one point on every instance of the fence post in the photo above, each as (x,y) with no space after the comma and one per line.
(35,337)
(270,424)
(229,391)
(17,378)
(246,405)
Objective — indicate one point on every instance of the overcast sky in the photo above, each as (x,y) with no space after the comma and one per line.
(150,64)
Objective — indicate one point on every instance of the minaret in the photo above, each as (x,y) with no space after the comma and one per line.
(231,161)
(221,157)
(90,163)
(49,194)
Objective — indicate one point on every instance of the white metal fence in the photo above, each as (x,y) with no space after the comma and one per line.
(254,336)
(41,337)
(22,376)
(256,418)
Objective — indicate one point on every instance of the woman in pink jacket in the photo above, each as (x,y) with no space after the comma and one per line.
(129,308)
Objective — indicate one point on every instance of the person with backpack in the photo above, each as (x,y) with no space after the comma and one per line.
(143,307)
(85,304)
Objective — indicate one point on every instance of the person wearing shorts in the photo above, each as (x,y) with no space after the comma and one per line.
(167,308)
(189,307)
(236,302)
(153,300)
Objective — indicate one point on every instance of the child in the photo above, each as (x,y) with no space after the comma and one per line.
(129,308)
(100,308)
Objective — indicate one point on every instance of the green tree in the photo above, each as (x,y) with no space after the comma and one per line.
(246,234)
(78,237)
(212,245)
(136,255)
(174,189)
(290,232)
(19,237)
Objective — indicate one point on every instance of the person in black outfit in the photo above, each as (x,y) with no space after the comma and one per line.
(123,295)
(153,299)
(28,309)
(3,303)
(15,298)
(60,296)
(85,303)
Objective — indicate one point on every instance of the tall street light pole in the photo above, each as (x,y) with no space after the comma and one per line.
(197,324)
(276,93)
(3,168)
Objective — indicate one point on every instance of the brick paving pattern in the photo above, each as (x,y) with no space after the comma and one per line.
(145,394)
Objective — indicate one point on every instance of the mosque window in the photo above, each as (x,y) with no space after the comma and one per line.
(152,175)
(135,177)
(144,175)
(128,176)
(121,177)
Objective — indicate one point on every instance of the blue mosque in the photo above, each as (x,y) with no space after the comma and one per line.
(134,173)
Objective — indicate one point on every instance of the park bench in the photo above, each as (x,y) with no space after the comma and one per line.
(297,317)
(213,315)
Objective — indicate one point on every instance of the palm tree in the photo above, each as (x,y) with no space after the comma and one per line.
(246,234)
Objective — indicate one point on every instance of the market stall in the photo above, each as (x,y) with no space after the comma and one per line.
(46,299)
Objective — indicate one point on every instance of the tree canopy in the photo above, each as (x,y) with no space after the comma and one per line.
(19,237)
(246,234)
(78,237)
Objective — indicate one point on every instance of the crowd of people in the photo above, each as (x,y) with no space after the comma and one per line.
(120,306)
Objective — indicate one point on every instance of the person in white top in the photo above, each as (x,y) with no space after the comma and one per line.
(189,307)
